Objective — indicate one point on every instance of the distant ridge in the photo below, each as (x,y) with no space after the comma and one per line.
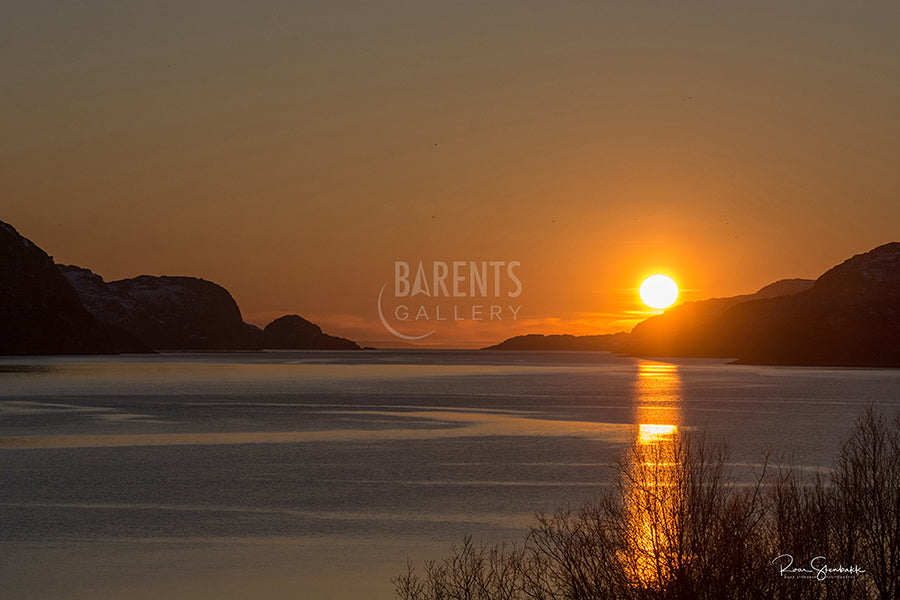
(536,341)
(292,332)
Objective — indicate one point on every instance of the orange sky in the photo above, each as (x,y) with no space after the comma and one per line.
(292,152)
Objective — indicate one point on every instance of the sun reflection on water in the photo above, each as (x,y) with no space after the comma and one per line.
(648,434)
(652,493)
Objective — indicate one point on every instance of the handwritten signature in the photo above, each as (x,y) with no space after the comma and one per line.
(818,567)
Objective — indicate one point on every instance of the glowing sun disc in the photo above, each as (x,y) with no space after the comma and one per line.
(659,291)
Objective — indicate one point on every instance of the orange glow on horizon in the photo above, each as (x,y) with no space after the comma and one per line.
(297,184)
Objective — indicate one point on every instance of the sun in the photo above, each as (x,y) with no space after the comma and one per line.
(659,291)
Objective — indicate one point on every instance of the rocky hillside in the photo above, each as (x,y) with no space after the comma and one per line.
(166,313)
(676,332)
(663,331)
(190,314)
(54,309)
(850,316)
(40,313)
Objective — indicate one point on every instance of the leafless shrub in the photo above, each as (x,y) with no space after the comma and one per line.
(676,527)
(865,502)
(471,572)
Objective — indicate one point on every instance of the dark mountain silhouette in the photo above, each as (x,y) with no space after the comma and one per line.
(54,309)
(850,316)
(166,313)
(40,313)
(662,331)
(190,314)
(292,332)
(676,331)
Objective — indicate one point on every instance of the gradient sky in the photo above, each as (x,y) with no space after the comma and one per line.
(293,151)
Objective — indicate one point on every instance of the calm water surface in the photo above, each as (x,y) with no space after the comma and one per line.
(315,475)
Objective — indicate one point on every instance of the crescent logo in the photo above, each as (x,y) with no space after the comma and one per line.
(391,329)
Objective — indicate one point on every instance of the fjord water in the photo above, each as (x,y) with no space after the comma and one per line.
(317,474)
